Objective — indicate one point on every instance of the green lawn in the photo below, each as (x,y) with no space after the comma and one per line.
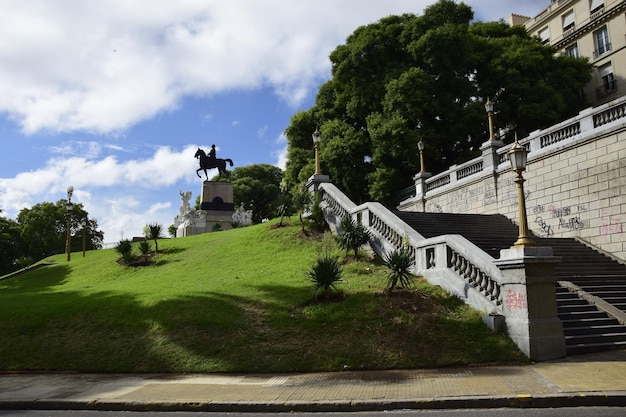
(236,300)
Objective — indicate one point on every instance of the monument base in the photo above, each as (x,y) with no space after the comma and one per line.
(216,211)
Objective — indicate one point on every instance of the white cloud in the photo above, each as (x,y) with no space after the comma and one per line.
(281,154)
(116,184)
(102,67)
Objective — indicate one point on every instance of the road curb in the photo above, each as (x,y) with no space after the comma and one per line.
(593,399)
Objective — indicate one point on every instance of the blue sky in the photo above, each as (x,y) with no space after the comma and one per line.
(114,97)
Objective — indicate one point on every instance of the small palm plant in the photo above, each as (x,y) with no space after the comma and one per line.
(153,231)
(125,249)
(324,274)
(302,201)
(144,248)
(352,235)
(399,263)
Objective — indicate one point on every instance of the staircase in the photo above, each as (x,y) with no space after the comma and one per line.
(586,328)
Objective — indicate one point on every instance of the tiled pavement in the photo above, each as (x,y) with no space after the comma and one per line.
(594,380)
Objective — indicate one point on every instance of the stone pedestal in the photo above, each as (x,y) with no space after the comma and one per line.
(489,151)
(216,200)
(528,289)
(315,180)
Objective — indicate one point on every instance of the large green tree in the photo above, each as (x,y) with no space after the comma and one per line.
(406,78)
(44,229)
(258,188)
(11,245)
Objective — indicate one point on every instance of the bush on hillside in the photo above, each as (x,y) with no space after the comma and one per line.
(399,263)
(352,235)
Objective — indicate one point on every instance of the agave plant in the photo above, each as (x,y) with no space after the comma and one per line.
(125,249)
(324,274)
(399,263)
(352,235)
(145,248)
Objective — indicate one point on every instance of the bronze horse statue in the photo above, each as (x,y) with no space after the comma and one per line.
(208,163)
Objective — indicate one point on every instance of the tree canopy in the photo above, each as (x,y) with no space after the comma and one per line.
(258,188)
(406,78)
(43,229)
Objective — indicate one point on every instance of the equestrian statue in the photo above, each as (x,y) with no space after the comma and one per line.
(210,161)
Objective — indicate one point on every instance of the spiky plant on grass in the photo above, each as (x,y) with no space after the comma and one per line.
(399,263)
(145,248)
(153,231)
(352,235)
(302,200)
(125,249)
(324,274)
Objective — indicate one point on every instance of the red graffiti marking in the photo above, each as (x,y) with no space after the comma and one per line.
(515,301)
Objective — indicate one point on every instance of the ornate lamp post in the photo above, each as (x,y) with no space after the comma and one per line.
(68,208)
(317,137)
(83,223)
(517,156)
(420,146)
(489,109)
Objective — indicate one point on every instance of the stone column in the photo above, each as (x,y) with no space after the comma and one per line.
(490,154)
(528,289)
(314,181)
(420,188)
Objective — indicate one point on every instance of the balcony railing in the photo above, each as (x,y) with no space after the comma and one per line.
(607,89)
(601,50)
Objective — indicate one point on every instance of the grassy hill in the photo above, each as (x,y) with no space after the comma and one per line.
(236,300)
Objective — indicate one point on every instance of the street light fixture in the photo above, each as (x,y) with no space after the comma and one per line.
(420,146)
(518,158)
(317,137)
(84,226)
(489,109)
(68,208)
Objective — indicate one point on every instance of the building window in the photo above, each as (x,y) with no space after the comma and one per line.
(572,51)
(544,35)
(607,80)
(596,6)
(601,39)
(568,21)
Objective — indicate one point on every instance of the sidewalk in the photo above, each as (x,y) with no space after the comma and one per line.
(582,380)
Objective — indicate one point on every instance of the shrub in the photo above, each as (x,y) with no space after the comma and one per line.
(125,249)
(302,201)
(352,235)
(144,248)
(318,222)
(399,262)
(153,231)
(324,274)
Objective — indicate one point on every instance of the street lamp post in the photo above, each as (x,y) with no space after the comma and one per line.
(420,146)
(84,226)
(68,208)
(518,158)
(489,109)
(317,137)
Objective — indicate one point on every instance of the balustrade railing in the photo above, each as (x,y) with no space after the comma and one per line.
(468,263)
(568,133)
(560,135)
(474,276)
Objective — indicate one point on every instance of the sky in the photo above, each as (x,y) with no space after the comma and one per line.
(114,97)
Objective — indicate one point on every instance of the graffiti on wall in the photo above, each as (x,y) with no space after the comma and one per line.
(515,300)
(553,218)
(609,223)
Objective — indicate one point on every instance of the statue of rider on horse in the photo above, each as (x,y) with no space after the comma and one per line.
(210,161)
